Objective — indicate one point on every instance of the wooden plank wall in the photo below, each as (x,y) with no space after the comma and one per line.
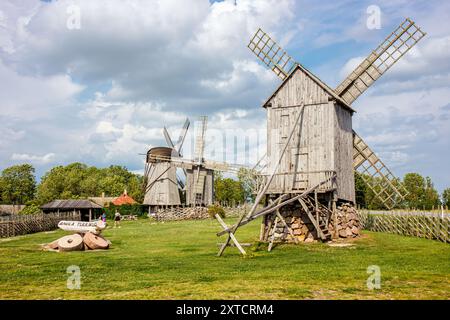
(165,190)
(343,150)
(208,195)
(321,144)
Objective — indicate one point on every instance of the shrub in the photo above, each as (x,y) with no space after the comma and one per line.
(216,209)
(126,209)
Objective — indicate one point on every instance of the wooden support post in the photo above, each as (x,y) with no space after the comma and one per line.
(90,215)
(273,234)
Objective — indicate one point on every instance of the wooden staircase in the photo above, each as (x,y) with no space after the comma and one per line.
(318,215)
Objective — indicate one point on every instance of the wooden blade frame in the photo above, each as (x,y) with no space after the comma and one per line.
(386,187)
(273,56)
(380,60)
(200,140)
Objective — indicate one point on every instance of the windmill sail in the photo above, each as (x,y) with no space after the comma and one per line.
(269,52)
(380,60)
(182,136)
(200,140)
(385,186)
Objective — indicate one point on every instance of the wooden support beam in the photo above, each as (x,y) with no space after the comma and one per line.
(273,235)
(231,235)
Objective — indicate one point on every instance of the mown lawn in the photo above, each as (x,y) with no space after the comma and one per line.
(177,260)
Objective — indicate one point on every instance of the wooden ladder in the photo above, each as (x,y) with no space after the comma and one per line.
(316,217)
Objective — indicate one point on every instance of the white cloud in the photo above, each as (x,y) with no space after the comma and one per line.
(44,159)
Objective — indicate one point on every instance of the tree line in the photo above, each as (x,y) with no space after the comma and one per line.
(77,181)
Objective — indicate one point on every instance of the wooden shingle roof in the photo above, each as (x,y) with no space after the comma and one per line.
(71,204)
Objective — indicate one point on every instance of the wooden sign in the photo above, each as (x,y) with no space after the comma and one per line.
(82,226)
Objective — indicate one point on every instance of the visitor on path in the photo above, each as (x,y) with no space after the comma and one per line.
(117,219)
(104,216)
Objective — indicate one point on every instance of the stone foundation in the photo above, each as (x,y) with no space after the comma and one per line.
(347,224)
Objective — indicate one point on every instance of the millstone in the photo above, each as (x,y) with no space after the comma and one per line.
(95,242)
(71,243)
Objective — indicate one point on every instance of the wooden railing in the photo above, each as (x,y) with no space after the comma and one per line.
(297,182)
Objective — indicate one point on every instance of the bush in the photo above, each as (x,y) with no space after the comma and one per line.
(30,209)
(125,210)
(216,209)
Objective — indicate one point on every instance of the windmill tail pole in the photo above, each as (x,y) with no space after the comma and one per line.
(275,206)
(269,181)
(266,187)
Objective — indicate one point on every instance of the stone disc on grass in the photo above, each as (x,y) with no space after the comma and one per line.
(94,242)
(71,243)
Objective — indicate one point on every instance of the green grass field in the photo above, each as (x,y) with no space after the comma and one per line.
(177,260)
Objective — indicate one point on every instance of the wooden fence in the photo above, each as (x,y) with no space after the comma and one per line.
(16,225)
(414,223)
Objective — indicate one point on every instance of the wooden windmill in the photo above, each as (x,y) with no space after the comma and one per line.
(163,184)
(311,146)
(200,177)
(161,180)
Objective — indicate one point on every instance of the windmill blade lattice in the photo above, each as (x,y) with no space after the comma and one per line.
(386,187)
(380,60)
(269,52)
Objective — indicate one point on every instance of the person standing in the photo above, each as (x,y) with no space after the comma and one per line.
(117,217)
(104,216)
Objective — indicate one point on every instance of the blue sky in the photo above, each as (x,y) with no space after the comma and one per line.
(100,94)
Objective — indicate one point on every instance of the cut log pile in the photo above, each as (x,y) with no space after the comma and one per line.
(301,229)
(348,224)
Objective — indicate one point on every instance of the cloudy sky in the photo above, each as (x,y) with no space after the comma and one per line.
(98,89)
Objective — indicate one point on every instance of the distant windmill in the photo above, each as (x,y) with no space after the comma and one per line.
(162,181)
(160,175)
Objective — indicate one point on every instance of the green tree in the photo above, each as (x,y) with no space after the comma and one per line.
(18,184)
(247,178)
(415,185)
(228,190)
(431,196)
(446,197)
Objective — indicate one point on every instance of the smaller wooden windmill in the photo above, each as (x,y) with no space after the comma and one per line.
(163,184)
(200,178)
(161,180)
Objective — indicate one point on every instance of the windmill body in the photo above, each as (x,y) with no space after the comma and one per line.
(322,143)
(161,176)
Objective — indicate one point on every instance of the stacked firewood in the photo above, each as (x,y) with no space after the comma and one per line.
(301,229)
(79,242)
(347,224)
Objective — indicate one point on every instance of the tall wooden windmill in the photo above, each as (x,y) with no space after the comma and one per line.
(326,140)
(311,146)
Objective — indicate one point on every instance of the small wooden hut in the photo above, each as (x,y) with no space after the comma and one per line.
(88,209)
